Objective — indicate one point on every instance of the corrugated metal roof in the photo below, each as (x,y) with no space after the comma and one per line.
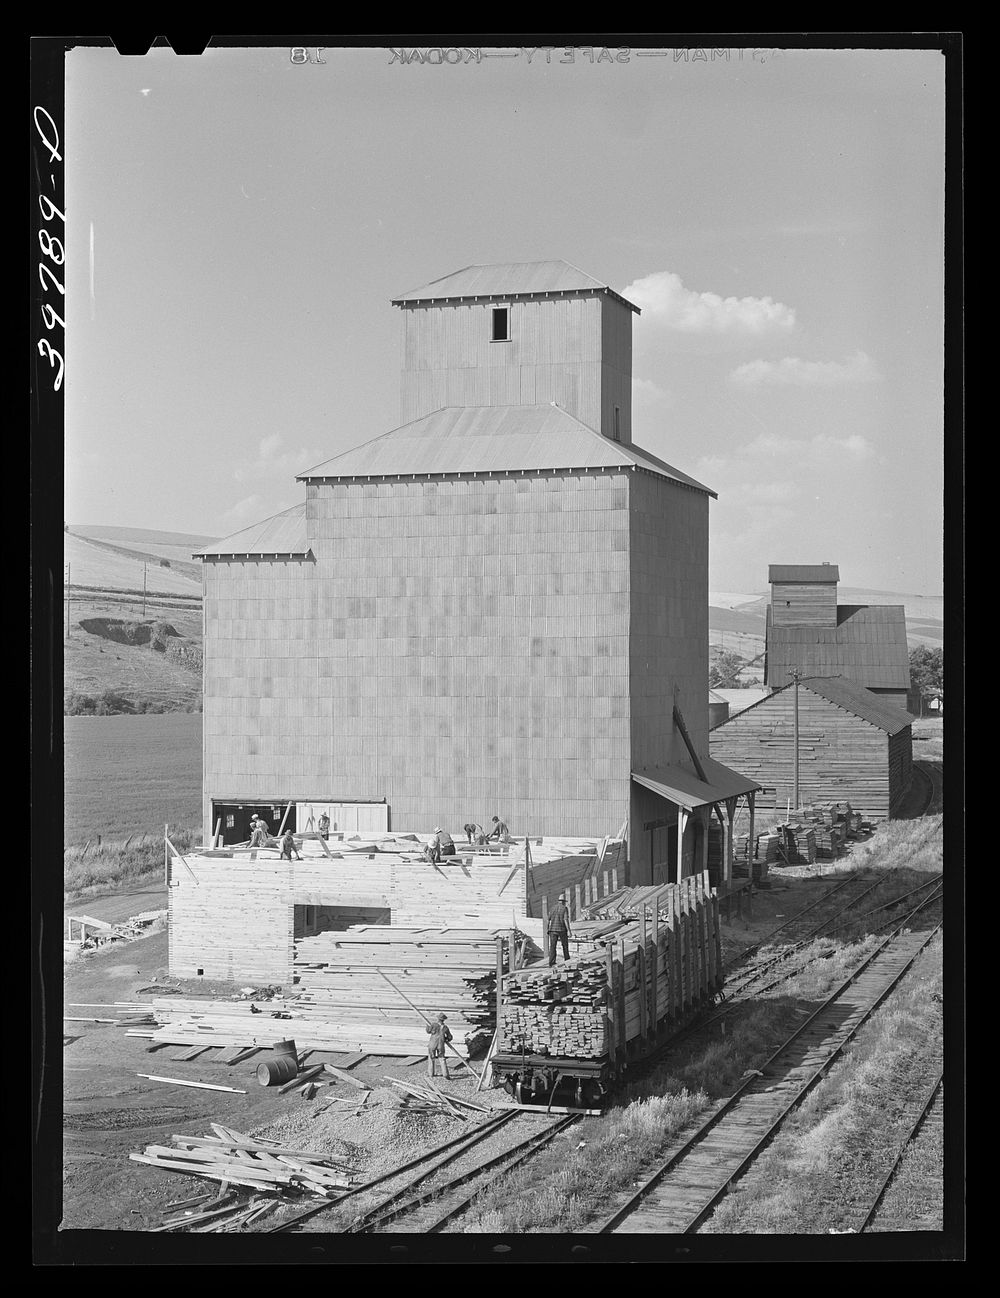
(284,534)
(803,572)
(863,703)
(868,644)
(509,279)
(491,439)
(683,788)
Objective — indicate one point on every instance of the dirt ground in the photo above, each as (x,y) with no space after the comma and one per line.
(110,1112)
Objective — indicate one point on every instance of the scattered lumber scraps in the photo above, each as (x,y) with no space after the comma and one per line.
(432,1099)
(235,1159)
(343,1076)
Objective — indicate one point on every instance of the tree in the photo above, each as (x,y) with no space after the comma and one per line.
(724,674)
(927,671)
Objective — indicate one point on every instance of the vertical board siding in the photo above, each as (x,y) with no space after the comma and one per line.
(841,756)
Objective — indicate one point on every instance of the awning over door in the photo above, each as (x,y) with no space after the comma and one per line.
(684,789)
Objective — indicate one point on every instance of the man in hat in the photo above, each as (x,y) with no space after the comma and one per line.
(442,844)
(437,1046)
(258,831)
(324,826)
(559,930)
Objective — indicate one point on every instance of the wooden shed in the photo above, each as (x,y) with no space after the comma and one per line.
(851,746)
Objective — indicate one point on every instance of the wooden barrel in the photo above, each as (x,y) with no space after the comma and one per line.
(280,1069)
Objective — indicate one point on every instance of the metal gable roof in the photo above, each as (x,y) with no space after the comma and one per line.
(684,789)
(869,639)
(509,279)
(491,439)
(863,703)
(283,534)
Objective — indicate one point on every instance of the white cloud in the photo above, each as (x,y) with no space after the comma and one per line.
(274,465)
(246,511)
(819,448)
(792,371)
(646,393)
(664,300)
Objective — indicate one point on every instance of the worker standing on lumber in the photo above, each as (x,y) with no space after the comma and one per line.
(499,831)
(559,930)
(258,831)
(440,1035)
(324,826)
(288,847)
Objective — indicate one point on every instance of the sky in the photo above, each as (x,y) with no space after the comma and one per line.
(238,222)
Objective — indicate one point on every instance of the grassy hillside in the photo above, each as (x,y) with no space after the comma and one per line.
(99,563)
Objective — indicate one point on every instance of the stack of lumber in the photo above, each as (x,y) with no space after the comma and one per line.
(364,988)
(564,1031)
(316,1025)
(799,842)
(261,1165)
(556,1011)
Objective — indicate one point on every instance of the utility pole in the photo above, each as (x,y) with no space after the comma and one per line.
(795,739)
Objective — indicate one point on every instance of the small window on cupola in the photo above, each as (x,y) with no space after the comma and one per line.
(501,324)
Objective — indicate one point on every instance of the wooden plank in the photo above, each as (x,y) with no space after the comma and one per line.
(302,1078)
(344,1076)
(201,1086)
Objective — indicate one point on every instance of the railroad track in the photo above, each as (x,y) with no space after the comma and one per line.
(931,774)
(737,987)
(684,1189)
(926,1124)
(438,1173)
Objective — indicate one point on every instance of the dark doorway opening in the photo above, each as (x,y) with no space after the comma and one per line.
(232,819)
(321,918)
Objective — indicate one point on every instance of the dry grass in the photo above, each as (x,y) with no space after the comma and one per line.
(828,1160)
(113,867)
(570,1185)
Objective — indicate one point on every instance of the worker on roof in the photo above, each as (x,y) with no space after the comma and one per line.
(288,847)
(500,832)
(442,844)
(258,831)
(475,833)
(324,826)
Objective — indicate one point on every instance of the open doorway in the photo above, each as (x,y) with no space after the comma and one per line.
(231,820)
